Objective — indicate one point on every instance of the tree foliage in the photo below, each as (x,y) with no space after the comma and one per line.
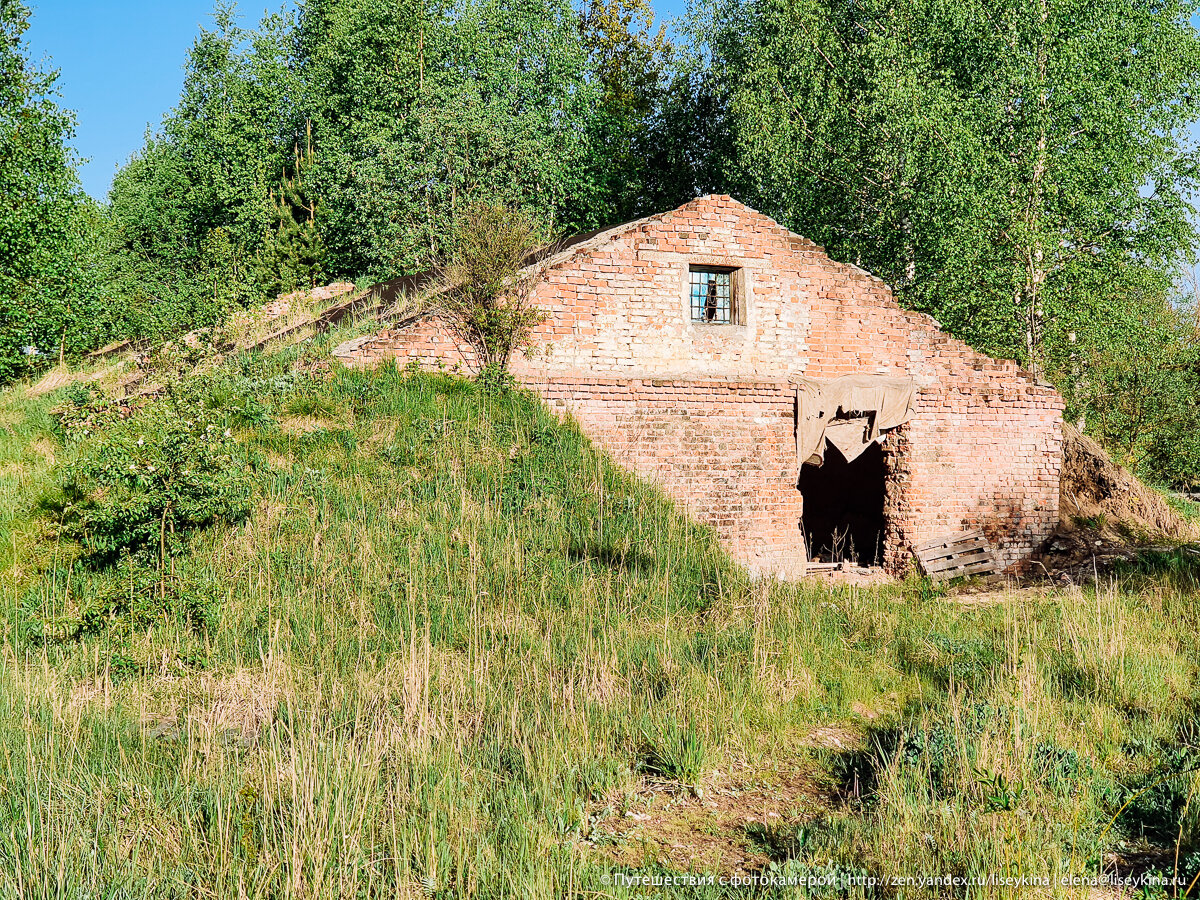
(633,63)
(40,231)
(188,213)
(292,255)
(388,115)
(419,110)
(1141,399)
(1018,168)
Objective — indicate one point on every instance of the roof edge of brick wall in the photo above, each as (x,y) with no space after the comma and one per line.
(587,245)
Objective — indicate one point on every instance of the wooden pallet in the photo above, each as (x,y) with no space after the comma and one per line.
(818,568)
(962,555)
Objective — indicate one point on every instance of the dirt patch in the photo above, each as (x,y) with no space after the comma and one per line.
(1106,516)
(835,737)
(1109,497)
(725,826)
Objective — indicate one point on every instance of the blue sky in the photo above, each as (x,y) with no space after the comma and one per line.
(121,67)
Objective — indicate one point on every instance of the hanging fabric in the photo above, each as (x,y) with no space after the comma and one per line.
(851,412)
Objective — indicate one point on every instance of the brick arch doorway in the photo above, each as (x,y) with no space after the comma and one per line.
(843,507)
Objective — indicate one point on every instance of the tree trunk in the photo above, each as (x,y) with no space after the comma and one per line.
(1035,268)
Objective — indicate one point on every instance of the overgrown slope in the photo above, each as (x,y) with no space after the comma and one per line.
(1098,491)
(454,651)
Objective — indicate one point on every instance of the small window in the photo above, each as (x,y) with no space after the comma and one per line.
(713,296)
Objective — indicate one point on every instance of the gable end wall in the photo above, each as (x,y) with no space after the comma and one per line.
(708,412)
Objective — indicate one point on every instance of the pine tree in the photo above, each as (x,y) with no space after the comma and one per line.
(292,256)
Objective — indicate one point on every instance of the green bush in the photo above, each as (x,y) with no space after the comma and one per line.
(140,481)
(487,295)
(133,594)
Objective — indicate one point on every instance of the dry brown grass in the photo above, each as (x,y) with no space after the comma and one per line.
(64,376)
(296,425)
(1096,489)
(717,827)
(52,381)
(241,703)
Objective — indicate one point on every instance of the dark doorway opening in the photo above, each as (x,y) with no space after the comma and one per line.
(843,507)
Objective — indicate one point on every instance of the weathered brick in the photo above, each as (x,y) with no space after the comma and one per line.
(708,412)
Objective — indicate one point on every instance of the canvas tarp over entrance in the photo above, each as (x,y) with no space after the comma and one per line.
(851,412)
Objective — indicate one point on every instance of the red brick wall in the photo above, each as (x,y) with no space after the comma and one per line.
(983,449)
(981,453)
(725,450)
(424,342)
(970,458)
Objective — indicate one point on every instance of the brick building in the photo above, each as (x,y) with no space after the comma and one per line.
(684,344)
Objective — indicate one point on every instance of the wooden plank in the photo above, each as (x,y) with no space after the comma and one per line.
(983,571)
(925,549)
(958,561)
(950,540)
(949,557)
(947,574)
(957,556)
(964,547)
(955,551)
(954,545)
(980,568)
(962,571)
(948,571)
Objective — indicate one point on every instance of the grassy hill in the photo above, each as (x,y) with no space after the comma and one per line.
(433,643)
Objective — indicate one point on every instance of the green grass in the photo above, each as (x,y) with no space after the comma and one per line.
(454,640)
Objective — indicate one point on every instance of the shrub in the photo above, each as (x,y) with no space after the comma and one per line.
(487,285)
(140,481)
(132,594)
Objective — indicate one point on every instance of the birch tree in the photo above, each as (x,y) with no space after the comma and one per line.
(37,205)
(1018,168)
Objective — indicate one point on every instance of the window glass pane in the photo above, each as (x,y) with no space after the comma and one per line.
(711,300)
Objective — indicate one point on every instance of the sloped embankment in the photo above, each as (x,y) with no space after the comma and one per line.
(1094,487)
(1106,514)
(455,651)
